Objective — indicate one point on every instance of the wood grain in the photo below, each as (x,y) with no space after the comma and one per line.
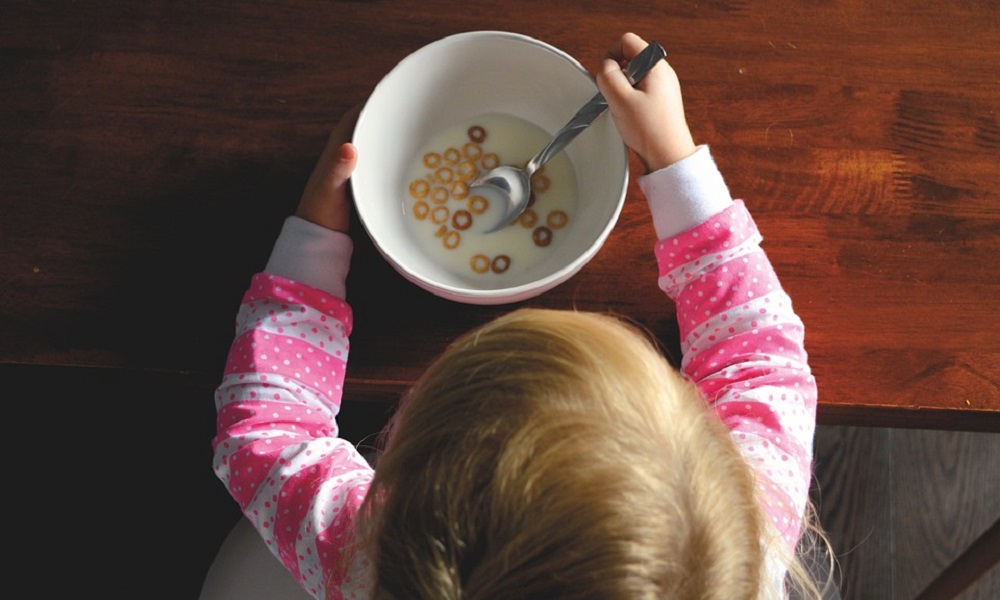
(899,505)
(149,150)
(946,488)
(852,494)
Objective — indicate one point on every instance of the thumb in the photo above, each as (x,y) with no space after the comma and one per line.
(343,166)
(326,199)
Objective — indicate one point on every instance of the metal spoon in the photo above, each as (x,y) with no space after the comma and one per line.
(512,185)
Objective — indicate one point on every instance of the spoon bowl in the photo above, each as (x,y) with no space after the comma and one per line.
(511,185)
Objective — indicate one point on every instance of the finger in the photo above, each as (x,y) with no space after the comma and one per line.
(334,172)
(625,48)
(612,81)
(632,44)
(347,160)
(341,134)
(326,198)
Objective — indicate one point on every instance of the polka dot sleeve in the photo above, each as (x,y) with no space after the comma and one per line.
(743,345)
(277,448)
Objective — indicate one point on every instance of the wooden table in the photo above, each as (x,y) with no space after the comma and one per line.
(149,150)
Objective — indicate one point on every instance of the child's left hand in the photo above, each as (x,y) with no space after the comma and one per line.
(326,199)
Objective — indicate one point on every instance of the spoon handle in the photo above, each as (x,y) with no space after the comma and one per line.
(637,68)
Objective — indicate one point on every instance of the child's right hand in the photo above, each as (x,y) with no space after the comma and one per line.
(650,116)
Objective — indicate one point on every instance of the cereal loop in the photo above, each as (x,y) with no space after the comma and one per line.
(539,182)
(444,175)
(452,239)
(420,210)
(432,160)
(478,205)
(528,218)
(452,156)
(466,170)
(477,134)
(480,263)
(439,195)
(462,220)
(459,190)
(419,188)
(501,263)
(490,161)
(557,219)
(542,236)
(440,215)
(472,151)
(441,231)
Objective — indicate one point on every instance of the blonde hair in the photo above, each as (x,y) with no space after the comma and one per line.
(556,454)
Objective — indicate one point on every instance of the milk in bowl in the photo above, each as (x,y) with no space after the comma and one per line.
(450,223)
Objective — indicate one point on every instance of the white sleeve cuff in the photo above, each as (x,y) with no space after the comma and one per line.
(685,193)
(313,255)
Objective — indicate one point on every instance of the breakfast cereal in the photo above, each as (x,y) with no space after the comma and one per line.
(439,195)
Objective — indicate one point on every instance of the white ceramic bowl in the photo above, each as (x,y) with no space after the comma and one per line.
(460,77)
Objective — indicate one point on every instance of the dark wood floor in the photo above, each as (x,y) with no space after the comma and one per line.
(901,504)
(132,473)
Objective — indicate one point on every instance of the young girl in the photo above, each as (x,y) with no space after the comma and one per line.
(547,454)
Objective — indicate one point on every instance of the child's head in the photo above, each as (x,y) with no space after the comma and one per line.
(556,454)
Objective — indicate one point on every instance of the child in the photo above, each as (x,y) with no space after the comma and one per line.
(547,454)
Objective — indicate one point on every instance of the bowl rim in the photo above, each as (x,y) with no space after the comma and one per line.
(513,293)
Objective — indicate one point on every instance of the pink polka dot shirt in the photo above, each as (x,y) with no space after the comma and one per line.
(277,448)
